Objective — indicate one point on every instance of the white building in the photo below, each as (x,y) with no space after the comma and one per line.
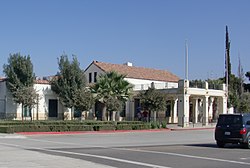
(48,105)
(185,104)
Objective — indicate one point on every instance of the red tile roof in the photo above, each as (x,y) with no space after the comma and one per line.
(38,81)
(42,81)
(138,72)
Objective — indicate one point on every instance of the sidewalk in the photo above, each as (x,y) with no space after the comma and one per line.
(15,157)
(197,126)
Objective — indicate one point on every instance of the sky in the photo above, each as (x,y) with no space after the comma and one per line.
(147,33)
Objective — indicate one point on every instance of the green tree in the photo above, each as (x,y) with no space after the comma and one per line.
(69,81)
(112,90)
(152,101)
(20,80)
(85,100)
(241,78)
(227,58)
(244,103)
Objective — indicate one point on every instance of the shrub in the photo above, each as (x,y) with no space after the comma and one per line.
(6,129)
(61,126)
(124,127)
(164,124)
(155,125)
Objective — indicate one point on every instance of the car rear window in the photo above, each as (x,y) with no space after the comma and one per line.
(230,120)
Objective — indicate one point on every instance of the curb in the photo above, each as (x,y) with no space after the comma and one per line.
(189,129)
(111,131)
(91,132)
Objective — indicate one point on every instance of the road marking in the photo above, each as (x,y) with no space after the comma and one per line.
(91,155)
(184,155)
(12,137)
(56,142)
(108,158)
(245,158)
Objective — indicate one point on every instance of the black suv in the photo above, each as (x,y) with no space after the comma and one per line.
(233,128)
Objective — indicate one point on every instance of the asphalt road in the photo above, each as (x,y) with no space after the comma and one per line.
(165,149)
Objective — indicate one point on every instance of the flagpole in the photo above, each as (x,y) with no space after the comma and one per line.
(186,60)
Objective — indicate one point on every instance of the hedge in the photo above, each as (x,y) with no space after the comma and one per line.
(62,126)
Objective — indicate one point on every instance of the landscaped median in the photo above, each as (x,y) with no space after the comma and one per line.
(66,126)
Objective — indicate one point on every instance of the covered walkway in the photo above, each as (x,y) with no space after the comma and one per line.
(188,105)
(194,105)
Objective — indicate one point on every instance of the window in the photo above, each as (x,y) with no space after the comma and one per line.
(26,111)
(230,120)
(90,77)
(95,76)
(77,113)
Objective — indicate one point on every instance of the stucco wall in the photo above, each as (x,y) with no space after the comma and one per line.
(139,84)
(91,69)
(8,108)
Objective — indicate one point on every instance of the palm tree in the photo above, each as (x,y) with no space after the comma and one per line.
(112,90)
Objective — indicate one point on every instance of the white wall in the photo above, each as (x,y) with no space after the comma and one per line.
(139,84)
(91,69)
(9,107)
(45,94)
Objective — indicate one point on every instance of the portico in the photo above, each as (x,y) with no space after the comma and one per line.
(199,104)
(192,105)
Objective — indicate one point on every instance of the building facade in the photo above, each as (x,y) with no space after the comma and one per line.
(48,105)
(185,104)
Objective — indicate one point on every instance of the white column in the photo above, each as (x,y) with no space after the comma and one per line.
(132,110)
(222,105)
(210,112)
(195,110)
(183,107)
(205,111)
(200,110)
(127,115)
(19,112)
(175,119)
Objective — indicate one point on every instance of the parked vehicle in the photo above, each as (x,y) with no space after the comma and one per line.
(233,128)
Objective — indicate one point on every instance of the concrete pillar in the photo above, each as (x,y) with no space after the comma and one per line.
(132,110)
(205,111)
(66,113)
(195,110)
(222,105)
(183,108)
(127,115)
(175,117)
(19,112)
(210,112)
(200,113)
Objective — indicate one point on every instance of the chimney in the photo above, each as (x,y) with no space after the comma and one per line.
(128,64)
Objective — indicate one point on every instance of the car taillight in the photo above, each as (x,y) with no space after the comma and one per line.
(243,131)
